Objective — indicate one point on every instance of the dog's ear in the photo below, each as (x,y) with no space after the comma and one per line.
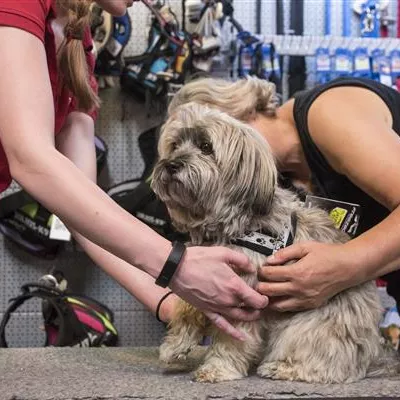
(252,169)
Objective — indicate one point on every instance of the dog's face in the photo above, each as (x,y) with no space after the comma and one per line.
(212,169)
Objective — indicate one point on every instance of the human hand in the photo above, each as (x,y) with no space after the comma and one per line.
(206,280)
(320,272)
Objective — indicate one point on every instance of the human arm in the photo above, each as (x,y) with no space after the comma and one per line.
(76,142)
(362,146)
(26,112)
(26,129)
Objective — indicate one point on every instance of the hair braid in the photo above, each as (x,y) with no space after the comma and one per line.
(73,64)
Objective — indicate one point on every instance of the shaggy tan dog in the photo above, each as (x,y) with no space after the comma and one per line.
(218,178)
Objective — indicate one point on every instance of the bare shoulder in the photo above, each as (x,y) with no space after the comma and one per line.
(352,127)
(342,117)
(346,102)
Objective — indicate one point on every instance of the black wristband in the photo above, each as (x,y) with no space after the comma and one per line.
(171,265)
(159,306)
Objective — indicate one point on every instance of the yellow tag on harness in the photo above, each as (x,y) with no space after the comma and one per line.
(338,215)
(345,216)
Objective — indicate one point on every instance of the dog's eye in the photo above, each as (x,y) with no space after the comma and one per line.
(206,148)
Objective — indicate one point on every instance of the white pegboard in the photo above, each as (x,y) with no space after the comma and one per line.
(314,15)
(245,13)
(268,12)
(140,18)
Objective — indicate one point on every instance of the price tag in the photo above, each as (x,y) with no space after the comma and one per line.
(58,231)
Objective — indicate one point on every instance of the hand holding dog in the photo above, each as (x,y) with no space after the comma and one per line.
(223,292)
(320,271)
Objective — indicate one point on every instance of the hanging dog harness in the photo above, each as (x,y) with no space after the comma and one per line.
(262,242)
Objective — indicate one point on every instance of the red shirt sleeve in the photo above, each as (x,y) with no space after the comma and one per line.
(29,15)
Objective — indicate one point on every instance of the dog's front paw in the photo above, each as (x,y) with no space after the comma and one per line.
(212,374)
(169,354)
(278,370)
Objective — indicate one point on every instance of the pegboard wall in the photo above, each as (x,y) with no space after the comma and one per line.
(121,120)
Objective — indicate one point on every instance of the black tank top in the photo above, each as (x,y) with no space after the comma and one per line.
(326,181)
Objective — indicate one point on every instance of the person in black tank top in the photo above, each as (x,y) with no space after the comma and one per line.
(331,184)
(340,141)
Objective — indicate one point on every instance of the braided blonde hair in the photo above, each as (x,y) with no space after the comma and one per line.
(73,64)
(240,99)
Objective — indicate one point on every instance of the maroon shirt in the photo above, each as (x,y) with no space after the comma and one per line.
(35,16)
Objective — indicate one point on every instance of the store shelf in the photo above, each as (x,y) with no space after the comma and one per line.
(306,45)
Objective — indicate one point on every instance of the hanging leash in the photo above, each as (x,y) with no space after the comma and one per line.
(163,23)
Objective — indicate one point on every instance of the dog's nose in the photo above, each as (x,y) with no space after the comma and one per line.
(173,166)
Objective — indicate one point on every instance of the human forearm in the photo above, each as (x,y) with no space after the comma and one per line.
(49,176)
(321,270)
(57,184)
(377,251)
(138,283)
(76,142)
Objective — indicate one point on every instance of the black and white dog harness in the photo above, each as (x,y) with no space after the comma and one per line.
(262,242)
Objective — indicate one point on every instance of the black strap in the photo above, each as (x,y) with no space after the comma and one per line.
(296,16)
(42,292)
(147,142)
(142,194)
(266,251)
(66,316)
(171,265)
(151,56)
(183,5)
(159,306)
(293,221)
(13,202)
(258,16)
(297,64)
(42,214)
(280,30)
(264,248)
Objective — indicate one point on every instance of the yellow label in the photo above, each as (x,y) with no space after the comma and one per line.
(338,215)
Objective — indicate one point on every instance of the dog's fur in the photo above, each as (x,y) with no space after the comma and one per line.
(218,178)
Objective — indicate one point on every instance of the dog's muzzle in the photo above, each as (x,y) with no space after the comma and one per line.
(173,166)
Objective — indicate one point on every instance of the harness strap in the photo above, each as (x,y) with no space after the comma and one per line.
(13,202)
(264,243)
(18,301)
(52,296)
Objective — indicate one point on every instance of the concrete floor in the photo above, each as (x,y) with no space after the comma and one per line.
(134,373)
